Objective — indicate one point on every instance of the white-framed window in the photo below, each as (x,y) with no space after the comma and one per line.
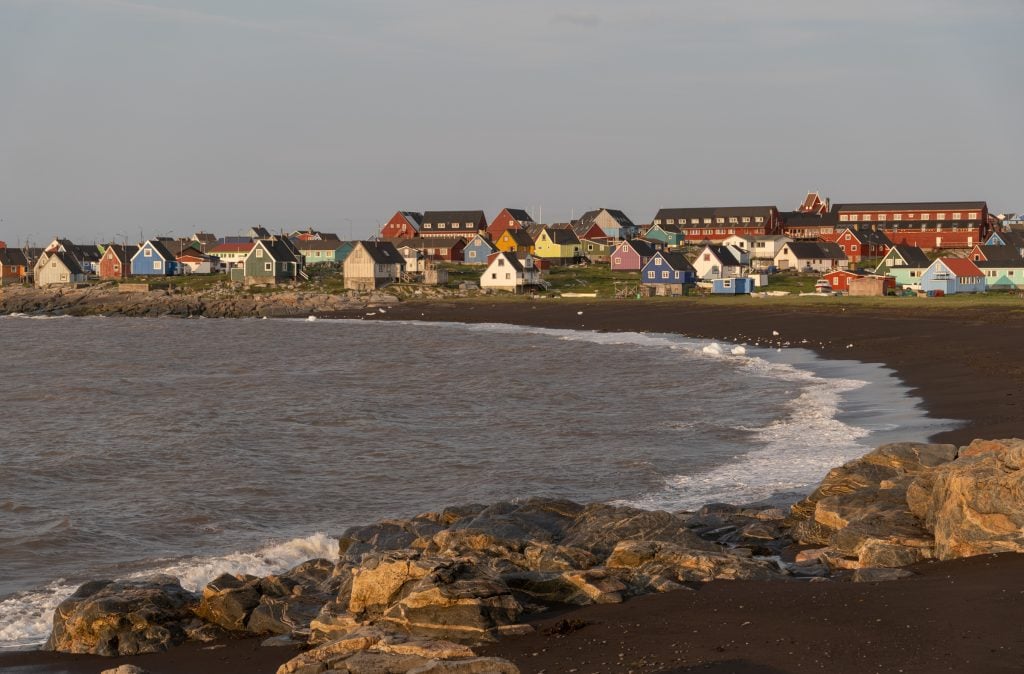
(759,219)
(719,221)
(733,221)
(651,274)
(664,274)
(284,266)
(940,216)
(501,262)
(472,253)
(618,260)
(707,221)
(157,265)
(746,220)
(657,222)
(148,252)
(441,225)
(259,252)
(657,261)
(853,248)
(897,216)
(695,221)
(670,221)
(972,216)
(956,216)
(843,218)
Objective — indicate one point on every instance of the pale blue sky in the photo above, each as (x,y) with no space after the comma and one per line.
(169,116)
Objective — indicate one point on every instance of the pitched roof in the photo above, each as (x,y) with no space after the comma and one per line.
(801,219)
(316,244)
(279,249)
(432,242)
(160,249)
(13,257)
(912,255)
(724,255)
(590,216)
(534,230)
(808,250)
(674,229)
(1000,253)
(383,252)
(521,237)
(913,206)
(69,261)
(204,237)
(513,261)
(1012,238)
(643,247)
(675,260)
(120,251)
(519,214)
(231,247)
(960,266)
(563,237)
(869,236)
(260,232)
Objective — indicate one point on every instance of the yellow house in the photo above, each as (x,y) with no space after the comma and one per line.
(515,241)
(557,244)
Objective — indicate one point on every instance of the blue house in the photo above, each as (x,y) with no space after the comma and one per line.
(665,267)
(952,275)
(732,286)
(153,259)
(1012,238)
(478,250)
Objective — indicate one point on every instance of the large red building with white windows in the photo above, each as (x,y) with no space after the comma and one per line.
(929,225)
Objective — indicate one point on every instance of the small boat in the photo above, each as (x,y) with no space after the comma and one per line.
(823,287)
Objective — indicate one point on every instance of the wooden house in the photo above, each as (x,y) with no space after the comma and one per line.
(718,261)
(191,261)
(714,225)
(413,256)
(740,285)
(153,259)
(509,218)
(447,224)
(318,251)
(372,264)
(447,249)
(667,267)
(995,254)
(1002,274)
(478,250)
(671,236)
(953,275)
(808,225)
(58,268)
(860,244)
(14,266)
(840,279)
(904,263)
(87,256)
(612,222)
(230,254)
(515,241)
(402,225)
(597,250)
(760,250)
(507,271)
(271,261)
(558,246)
(116,262)
(810,256)
(633,255)
(930,225)
(1012,238)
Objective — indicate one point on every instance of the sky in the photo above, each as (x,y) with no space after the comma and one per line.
(127,119)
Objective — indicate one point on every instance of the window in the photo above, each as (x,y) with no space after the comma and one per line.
(664,274)
(759,219)
(719,221)
(259,252)
(866,217)
(468,224)
(972,216)
(658,222)
(924,216)
(472,253)
(494,277)
(618,260)
(63,277)
(897,216)
(956,216)
(853,248)
(848,237)
(746,220)
(501,262)
(707,257)
(727,283)
(650,274)
(147,252)
(284,266)
(733,221)
(670,221)
(707,221)
(695,221)
(508,275)
(441,225)
(268,266)
(843,218)
(940,216)
(157,265)
(426,225)
(657,261)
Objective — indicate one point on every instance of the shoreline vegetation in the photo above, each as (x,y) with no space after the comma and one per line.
(960,359)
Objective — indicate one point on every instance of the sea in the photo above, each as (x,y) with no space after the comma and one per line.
(197,446)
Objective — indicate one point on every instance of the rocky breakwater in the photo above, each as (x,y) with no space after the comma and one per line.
(216,302)
(417,595)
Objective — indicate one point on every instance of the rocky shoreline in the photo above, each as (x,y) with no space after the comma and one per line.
(423,594)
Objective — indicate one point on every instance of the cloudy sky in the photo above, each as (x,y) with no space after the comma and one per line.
(121,117)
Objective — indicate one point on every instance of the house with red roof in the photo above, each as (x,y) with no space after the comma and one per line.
(952,275)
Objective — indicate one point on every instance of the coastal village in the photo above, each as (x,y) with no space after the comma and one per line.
(860,249)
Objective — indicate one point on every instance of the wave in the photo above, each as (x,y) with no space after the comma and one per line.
(27,617)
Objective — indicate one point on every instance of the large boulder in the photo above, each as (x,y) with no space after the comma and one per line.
(123,618)
(599,527)
(228,601)
(659,567)
(974,505)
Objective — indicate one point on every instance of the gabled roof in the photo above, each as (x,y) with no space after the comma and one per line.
(724,255)
(799,219)
(123,254)
(868,236)
(912,255)
(234,240)
(676,260)
(642,247)
(618,216)
(812,250)
(673,229)
(513,261)
(1011,238)
(316,244)
(204,237)
(521,237)
(960,266)
(383,252)
(159,248)
(563,237)
(69,261)
(519,214)
(279,249)
(231,247)
(260,232)
(913,206)
(413,217)
(13,257)
(1000,253)
(534,230)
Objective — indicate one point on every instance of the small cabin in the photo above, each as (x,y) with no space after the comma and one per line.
(732,286)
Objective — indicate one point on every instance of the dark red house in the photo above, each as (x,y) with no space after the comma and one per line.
(717,224)
(446,224)
(860,244)
(509,218)
(117,261)
(929,225)
(402,225)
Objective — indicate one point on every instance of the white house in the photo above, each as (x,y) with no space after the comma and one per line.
(505,271)
(718,261)
(415,258)
(372,264)
(58,268)
(810,256)
(762,249)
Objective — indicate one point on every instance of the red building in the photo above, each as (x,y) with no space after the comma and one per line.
(446,224)
(433,248)
(509,218)
(930,225)
(402,225)
(860,244)
(717,224)
(117,261)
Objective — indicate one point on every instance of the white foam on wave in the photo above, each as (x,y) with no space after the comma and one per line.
(26,618)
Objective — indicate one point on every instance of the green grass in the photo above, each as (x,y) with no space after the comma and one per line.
(793,283)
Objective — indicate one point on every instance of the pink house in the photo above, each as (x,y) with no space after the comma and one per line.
(633,254)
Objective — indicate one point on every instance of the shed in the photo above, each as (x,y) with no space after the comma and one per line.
(732,286)
(871,286)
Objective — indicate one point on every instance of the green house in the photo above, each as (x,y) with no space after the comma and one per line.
(670,235)
(904,263)
(318,252)
(269,261)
